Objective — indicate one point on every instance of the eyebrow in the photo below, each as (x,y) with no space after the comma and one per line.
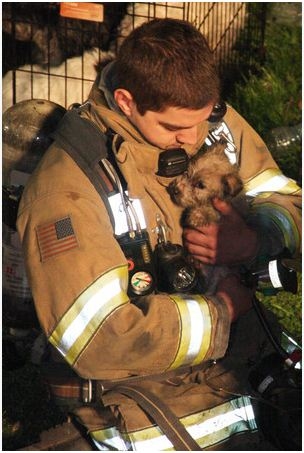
(173,126)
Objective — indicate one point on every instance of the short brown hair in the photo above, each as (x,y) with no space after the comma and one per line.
(167,62)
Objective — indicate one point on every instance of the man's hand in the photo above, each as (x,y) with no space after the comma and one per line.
(229,242)
(237,297)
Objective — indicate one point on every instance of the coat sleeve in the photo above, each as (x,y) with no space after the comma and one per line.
(79,277)
(275,200)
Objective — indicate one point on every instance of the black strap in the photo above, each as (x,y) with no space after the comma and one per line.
(87,145)
(163,416)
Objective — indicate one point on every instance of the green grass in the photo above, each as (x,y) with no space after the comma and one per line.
(271,96)
(288,309)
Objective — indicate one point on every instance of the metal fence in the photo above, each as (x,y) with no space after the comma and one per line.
(49,56)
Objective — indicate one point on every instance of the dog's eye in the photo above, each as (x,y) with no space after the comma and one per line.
(199,185)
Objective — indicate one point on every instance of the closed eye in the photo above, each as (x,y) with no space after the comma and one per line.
(199,185)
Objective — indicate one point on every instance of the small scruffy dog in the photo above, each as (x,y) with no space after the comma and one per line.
(209,175)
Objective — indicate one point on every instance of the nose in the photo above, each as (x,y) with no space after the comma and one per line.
(187,136)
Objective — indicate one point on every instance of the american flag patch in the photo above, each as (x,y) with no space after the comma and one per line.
(56,237)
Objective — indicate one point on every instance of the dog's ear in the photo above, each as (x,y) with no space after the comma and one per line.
(232,185)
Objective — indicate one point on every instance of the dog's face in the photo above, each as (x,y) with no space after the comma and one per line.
(209,175)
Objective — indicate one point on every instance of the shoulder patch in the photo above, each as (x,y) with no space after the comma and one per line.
(56,237)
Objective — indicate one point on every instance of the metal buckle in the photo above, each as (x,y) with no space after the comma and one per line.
(87,391)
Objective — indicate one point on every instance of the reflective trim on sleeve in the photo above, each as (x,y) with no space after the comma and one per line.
(207,428)
(195,329)
(80,323)
(269,181)
(266,214)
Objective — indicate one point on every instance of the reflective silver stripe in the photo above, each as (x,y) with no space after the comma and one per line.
(110,438)
(195,329)
(269,181)
(92,306)
(274,184)
(89,310)
(217,426)
(208,427)
(274,274)
(223,132)
(265,383)
(119,215)
(197,323)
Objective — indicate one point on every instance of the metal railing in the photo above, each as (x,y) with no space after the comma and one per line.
(49,56)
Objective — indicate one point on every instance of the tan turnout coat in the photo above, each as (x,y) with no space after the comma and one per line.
(104,335)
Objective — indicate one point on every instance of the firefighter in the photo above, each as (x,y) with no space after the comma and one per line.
(166,369)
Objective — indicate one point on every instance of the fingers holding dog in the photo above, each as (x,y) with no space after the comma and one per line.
(202,243)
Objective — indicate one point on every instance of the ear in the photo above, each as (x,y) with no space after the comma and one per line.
(232,185)
(124,100)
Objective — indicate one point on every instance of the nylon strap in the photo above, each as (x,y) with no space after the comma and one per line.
(159,377)
(163,416)
(87,146)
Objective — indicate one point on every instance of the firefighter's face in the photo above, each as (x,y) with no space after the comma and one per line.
(171,128)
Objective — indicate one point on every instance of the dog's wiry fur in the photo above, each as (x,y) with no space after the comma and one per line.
(209,175)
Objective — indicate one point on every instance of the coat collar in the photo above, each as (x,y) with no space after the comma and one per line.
(107,115)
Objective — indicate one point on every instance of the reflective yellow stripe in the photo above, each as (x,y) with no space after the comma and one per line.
(89,310)
(208,427)
(269,181)
(195,330)
(267,212)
